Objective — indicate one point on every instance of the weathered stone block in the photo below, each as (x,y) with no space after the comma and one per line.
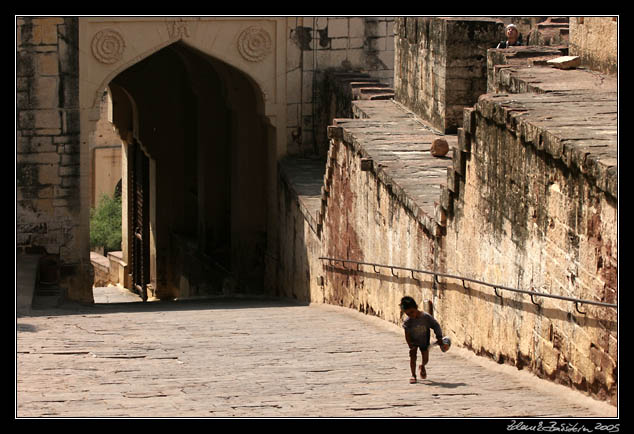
(45,30)
(337,27)
(565,62)
(45,94)
(38,158)
(69,170)
(47,174)
(48,63)
(70,124)
(36,119)
(25,64)
(357,27)
(464,140)
(459,162)
(71,181)
(452,182)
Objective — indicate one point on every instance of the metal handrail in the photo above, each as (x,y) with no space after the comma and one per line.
(436,274)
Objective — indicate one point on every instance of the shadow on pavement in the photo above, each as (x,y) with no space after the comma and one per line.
(445,385)
(207,303)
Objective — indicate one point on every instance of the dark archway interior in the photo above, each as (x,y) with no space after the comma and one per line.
(200,123)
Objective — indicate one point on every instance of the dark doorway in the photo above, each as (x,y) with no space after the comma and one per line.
(197,175)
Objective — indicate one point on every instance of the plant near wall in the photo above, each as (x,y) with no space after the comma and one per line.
(105,224)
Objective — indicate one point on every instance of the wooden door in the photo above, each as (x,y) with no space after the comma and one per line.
(139,220)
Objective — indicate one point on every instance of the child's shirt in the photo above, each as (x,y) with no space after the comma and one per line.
(419,329)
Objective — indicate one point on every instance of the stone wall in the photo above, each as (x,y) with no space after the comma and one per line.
(47,152)
(534,211)
(298,272)
(595,40)
(319,44)
(365,220)
(106,154)
(440,65)
(351,213)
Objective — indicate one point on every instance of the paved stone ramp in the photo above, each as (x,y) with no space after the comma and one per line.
(258,358)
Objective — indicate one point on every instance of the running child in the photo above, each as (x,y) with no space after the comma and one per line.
(417,327)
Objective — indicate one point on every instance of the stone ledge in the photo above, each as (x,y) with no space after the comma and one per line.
(544,79)
(398,144)
(305,178)
(579,128)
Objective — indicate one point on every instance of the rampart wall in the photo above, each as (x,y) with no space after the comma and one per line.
(535,211)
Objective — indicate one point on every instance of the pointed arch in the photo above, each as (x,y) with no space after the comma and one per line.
(218,176)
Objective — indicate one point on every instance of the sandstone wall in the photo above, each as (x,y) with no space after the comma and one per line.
(440,65)
(531,216)
(318,44)
(298,271)
(595,40)
(365,221)
(47,149)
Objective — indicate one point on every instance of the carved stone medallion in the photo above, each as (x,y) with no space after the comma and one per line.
(254,44)
(108,46)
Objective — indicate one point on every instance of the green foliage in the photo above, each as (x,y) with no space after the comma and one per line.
(105,224)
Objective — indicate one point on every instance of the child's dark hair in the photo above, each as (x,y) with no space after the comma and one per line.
(408,302)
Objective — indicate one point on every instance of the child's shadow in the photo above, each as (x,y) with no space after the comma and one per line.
(445,385)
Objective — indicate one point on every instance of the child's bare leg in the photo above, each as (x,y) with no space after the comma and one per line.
(412,363)
(425,354)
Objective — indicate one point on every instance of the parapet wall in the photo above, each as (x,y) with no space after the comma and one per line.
(440,65)
(535,209)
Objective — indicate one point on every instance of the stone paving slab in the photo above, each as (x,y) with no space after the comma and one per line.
(258,358)
(114,294)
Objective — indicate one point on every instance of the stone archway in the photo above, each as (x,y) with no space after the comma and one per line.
(207,121)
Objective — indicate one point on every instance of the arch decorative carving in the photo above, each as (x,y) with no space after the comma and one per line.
(108,46)
(254,44)
(177,29)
